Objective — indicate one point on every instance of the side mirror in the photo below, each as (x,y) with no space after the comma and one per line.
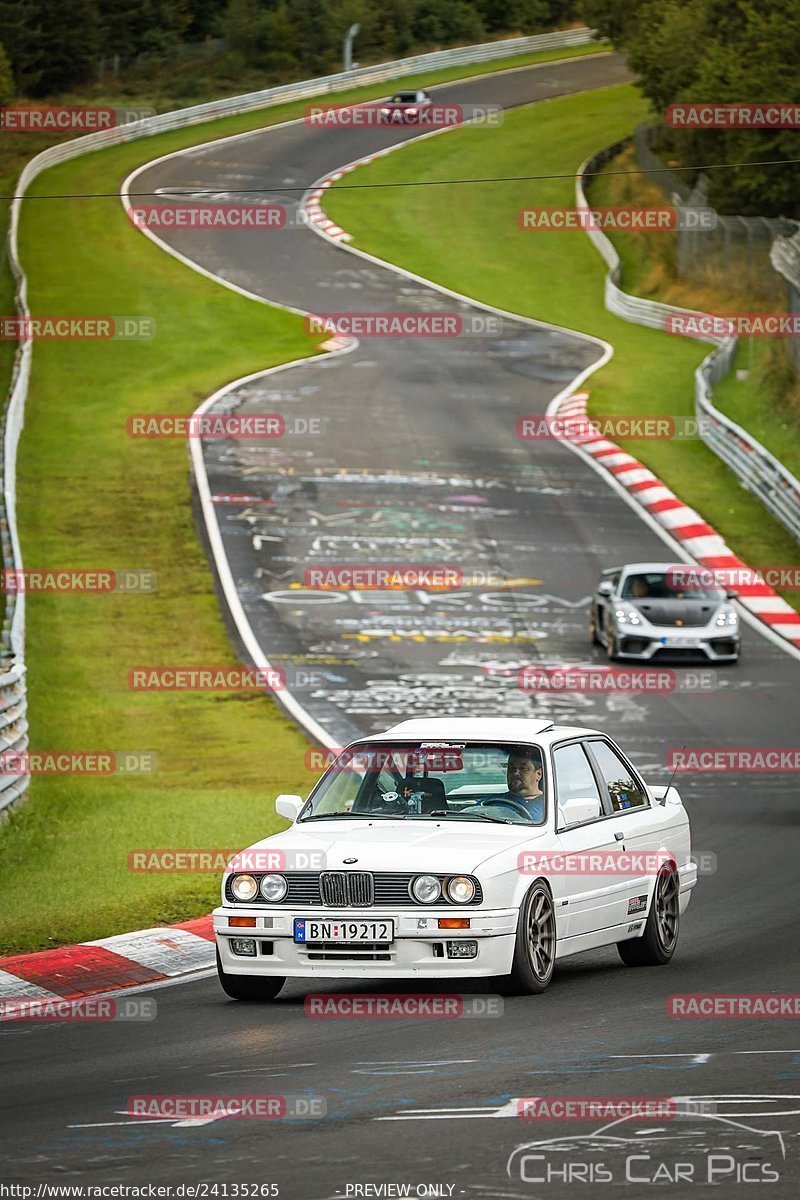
(288,806)
(578,809)
(732,595)
(605,588)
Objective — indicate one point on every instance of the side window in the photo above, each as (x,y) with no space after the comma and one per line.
(623,791)
(574,776)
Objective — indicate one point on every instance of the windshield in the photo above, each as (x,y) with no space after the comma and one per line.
(404,98)
(426,781)
(655,585)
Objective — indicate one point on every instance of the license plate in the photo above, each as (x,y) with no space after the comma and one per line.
(681,643)
(339,929)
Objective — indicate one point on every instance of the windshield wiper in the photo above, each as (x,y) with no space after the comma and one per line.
(440,812)
(356,815)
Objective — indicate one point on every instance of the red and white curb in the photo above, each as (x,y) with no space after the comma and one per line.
(127,960)
(315,214)
(698,538)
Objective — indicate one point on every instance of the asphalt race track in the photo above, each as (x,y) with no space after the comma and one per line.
(418,461)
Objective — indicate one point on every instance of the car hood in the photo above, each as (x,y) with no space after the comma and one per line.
(676,613)
(458,847)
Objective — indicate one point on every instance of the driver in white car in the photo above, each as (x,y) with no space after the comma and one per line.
(524,775)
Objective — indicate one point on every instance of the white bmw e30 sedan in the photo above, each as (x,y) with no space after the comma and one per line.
(450,847)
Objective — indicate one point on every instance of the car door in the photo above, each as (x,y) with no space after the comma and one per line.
(596,893)
(604,601)
(635,824)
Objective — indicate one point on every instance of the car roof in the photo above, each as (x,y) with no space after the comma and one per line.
(653,566)
(512,730)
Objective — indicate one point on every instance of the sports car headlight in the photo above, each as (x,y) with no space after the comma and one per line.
(273,887)
(727,618)
(628,615)
(426,889)
(460,889)
(244,887)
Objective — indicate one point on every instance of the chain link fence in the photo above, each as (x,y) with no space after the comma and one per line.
(759,471)
(737,251)
(785,256)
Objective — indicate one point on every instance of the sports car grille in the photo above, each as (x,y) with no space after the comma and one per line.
(352,889)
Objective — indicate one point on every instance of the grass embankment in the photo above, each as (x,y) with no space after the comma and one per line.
(767,401)
(91,497)
(467,237)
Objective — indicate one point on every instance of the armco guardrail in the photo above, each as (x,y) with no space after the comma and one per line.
(753,465)
(13,725)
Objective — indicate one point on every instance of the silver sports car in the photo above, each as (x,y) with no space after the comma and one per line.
(655,610)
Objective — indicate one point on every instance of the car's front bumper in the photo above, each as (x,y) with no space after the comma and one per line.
(720,644)
(418,951)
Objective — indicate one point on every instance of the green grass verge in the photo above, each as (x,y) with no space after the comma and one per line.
(89,496)
(466,236)
(752,404)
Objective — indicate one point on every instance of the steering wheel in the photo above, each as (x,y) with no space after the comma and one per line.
(508,803)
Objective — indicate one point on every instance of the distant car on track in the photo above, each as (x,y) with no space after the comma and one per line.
(404,107)
(454,847)
(643,611)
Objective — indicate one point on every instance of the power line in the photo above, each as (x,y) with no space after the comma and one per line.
(353,187)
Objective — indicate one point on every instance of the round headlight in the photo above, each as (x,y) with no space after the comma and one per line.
(460,889)
(273,887)
(426,889)
(244,887)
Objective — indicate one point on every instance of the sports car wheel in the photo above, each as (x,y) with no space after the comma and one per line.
(593,638)
(249,987)
(535,947)
(657,944)
(611,643)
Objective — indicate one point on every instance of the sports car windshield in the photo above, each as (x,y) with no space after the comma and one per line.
(656,585)
(426,781)
(404,98)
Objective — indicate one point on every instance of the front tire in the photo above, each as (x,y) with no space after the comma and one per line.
(249,987)
(593,638)
(657,944)
(535,946)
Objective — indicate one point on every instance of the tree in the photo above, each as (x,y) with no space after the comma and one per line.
(700,51)
(69,44)
(7,90)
